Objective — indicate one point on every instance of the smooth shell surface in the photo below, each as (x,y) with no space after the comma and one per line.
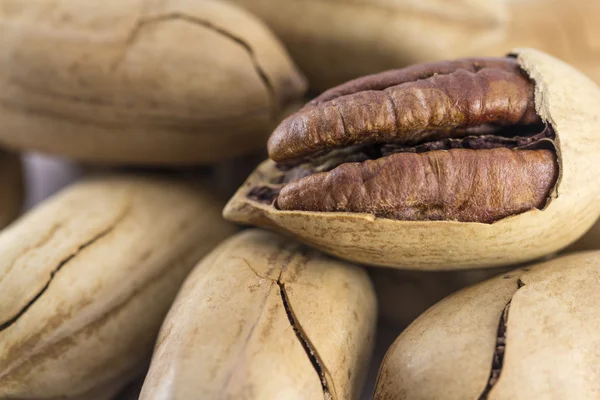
(11,187)
(337,40)
(264,318)
(550,350)
(566,99)
(141,81)
(87,277)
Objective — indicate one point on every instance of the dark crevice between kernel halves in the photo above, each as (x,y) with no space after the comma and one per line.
(531,137)
(500,349)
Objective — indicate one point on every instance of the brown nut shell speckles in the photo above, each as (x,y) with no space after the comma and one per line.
(541,191)
(87,277)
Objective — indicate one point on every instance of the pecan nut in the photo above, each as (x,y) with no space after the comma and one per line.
(87,277)
(141,82)
(262,317)
(531,333)
(468,150)
(449,141)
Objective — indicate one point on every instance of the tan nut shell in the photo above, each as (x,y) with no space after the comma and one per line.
(565,98)
(229,334)
(551,349)
(140,81)
(87,277)
(337,40)
(11,187)
(404,295)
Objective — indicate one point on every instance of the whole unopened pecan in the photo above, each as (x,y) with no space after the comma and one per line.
(432,165)
(531,333)
(338,40)
(141,81)
(261,318)
(86,278)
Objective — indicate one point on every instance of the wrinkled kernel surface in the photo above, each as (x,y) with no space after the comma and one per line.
(462,185)
(454,141)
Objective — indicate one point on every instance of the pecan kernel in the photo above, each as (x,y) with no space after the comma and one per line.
(448,141)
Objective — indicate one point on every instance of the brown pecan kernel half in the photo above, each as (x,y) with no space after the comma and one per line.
(459,184)
(456,140)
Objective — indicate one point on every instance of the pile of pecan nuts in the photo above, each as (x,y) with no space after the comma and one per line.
(431,175)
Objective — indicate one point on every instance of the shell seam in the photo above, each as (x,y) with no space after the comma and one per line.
(500,348)
(309,348)
(60,265)
(47,237)
(198,21)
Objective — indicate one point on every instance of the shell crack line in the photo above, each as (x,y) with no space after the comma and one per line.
(500,349)
(313,356)
(60,265)
(173,16)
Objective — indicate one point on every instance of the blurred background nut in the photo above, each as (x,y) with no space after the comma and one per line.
(337,40)
(227,176)
(262,317)
(87,277)
(140,81)
(132,390)
(11,187)
(589,241)
(404,295)
(460,164)
(528,334)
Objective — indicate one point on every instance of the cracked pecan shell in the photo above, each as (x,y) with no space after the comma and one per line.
(262,317)
(11,187)
(87,277)
(141,82)
(527,334)
(447,165)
